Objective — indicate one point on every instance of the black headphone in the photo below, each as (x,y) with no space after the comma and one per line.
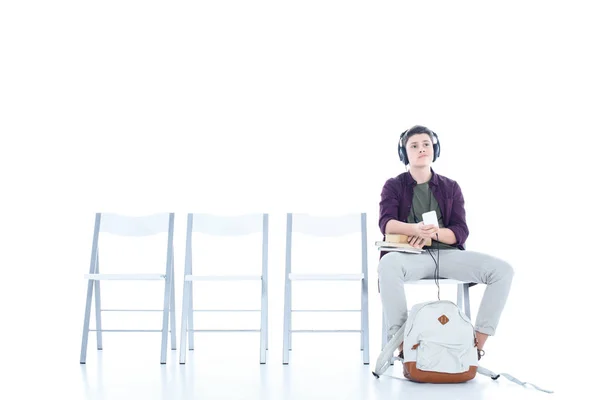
(421,129)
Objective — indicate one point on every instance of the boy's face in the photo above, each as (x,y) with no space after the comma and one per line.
(419,149)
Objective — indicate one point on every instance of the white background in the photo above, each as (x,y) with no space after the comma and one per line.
(256,106)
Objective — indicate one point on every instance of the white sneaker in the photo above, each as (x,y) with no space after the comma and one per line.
(385,357)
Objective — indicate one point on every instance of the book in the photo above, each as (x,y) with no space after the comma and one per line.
(391,246)
(397,238)
(401,249)
(394,242)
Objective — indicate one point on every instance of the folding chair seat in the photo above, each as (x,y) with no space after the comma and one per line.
(322,227)
(130,226)
(219,225)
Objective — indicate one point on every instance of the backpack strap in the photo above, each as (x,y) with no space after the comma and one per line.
(494,376)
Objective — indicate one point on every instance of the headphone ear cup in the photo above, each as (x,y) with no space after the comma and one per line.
(402,154)
(436,147)
(401,150)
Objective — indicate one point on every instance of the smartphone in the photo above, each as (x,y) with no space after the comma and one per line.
(430,218)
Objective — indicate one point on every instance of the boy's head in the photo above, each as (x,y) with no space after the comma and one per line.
(418,146)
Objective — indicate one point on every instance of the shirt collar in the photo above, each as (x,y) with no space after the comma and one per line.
(433,181)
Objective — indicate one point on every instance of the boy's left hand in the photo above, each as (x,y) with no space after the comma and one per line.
(416,242)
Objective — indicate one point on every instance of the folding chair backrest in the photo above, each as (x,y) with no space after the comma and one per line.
(137,237)
(228,225)
(326,225)
(238,249)
(333,229)
(125,225)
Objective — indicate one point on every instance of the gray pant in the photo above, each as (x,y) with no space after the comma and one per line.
(395,268)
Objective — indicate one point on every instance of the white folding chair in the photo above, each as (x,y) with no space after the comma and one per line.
(326,226)
(462,299)
(132,226)
(223,226)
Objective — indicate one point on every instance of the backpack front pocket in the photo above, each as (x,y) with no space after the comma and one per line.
(443,357)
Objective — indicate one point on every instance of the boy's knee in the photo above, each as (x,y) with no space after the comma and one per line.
(390,264)
(504,270)
(386,263)
(509,270)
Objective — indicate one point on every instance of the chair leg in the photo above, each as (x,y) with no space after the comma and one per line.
(173,321)
(467,300)
(190,316)
(184,322)
(287,322)
(263,323)
(98,307)
(90,290)
(364,292)
(187,312)
(460,296)
(362,328)
(287,298)
(362,336)
(265,285)
(165,321)
(364,283)
(86,322)
(290,319)
(365,323)
(167,297)
(98,315)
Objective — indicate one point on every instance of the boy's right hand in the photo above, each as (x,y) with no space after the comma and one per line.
(424,231)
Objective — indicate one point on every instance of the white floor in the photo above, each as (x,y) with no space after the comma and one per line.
(226,367)
(40,353)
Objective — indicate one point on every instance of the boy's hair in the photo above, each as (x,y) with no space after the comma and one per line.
(415,130)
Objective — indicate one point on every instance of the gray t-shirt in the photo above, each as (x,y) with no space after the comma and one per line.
(422,202)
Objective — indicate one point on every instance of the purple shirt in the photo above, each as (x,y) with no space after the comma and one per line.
(396,200)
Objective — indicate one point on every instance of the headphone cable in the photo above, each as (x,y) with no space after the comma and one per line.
(436,273)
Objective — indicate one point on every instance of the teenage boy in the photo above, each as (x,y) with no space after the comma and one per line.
(404,199)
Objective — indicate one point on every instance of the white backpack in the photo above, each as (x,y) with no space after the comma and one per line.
(440,346)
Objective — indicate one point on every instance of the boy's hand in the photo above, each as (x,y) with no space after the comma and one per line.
(416,242)
(430,231)
(425,231)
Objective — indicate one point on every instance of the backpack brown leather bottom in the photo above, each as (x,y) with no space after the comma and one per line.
(412,373)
